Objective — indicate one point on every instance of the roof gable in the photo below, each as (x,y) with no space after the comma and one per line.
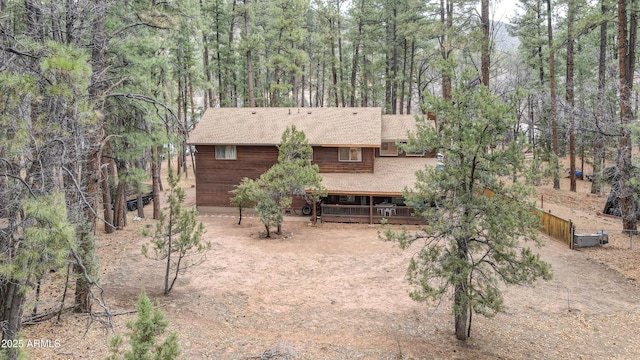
(264,126)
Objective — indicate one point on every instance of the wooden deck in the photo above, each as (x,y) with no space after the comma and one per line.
(365,214)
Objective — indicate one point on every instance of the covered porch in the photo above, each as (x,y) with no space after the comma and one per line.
(368,214)
(370,197)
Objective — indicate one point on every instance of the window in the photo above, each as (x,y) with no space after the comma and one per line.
(350,154)
(225,152)
(388,149)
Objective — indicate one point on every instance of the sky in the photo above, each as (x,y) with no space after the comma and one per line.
(504,9)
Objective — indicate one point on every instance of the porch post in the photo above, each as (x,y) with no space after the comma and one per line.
(371,209)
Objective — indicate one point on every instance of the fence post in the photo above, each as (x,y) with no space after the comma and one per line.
(571,233)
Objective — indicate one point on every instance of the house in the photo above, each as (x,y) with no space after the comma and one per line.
(355,149)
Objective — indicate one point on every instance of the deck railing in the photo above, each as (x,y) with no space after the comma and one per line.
(366,214)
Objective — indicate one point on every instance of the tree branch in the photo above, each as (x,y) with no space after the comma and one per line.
(19,53)
(141,23)
(84,199)
(17,178)
(151,101)
(99,299)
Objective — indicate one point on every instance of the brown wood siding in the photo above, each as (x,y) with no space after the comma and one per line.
(327,160)
(215,178)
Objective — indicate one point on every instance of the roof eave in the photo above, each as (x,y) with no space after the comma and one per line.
(266,144)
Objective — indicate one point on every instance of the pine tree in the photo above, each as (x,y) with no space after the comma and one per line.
(149,325)
(284,35)
(270,212)
(46,239)
(471,240)
(178,236)
(244,195)
(292,175)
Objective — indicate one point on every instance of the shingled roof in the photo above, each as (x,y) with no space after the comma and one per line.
(395,127)
(390,178)
(264,126)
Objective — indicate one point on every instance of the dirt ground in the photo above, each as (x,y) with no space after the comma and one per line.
(335,291)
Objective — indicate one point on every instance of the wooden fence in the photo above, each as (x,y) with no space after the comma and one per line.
(556,228)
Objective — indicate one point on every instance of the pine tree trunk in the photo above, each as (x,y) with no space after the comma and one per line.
(91,181)
(91,169)
(233,87)
(340,60)
(460,297)
(106,201)
(364,102)
(552,86)
(321,81)
(334,70)
(446,18)
(531,123)
(387,83)
(275,92)
(394,61)
(404,78)
(485,61)
(598,143)
(314,213)
(12,302)
(208,93)
(179,114)
(83,288)
(119,207)
(570,97)
(303,85)
(221,97)
(11,290)
(155,181)
(185,118)
(626,58)
(295,88)
(462,313)
(356,57)
(169,251)
(539,50)
(247,29)
(160,172)
(183,148)
(140,202)
(411,67)
(311,85)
